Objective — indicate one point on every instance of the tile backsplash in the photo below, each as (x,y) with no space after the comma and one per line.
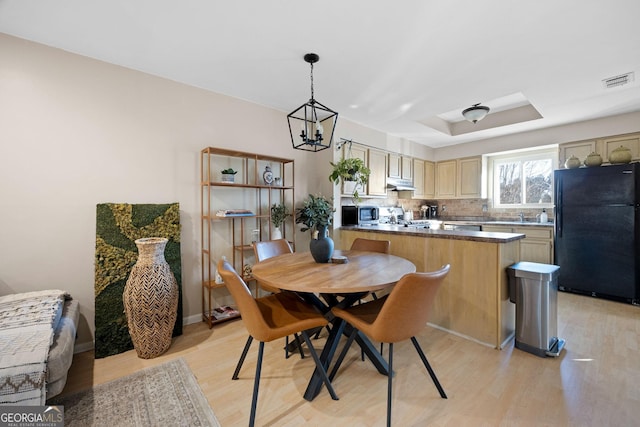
(453,209)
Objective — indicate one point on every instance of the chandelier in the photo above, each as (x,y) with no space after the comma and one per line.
(310,119)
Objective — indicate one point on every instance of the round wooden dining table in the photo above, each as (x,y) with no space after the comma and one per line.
(363,272)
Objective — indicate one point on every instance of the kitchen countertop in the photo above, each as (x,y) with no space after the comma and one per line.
(476,236)
(496,222)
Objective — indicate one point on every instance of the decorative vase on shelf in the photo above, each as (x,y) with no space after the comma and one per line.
(620,155)
(151,299)
(321,246)
(572,162)
(277,233)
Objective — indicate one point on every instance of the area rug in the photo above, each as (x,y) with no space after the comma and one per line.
(164,395)
(118,225)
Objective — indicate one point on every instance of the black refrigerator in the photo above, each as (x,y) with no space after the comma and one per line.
(597,224)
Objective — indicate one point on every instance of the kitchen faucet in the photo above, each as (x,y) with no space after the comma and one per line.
(521,216)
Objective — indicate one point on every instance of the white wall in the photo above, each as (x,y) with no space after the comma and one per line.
(75,132)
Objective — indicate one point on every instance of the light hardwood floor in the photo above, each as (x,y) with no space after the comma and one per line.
(595,381)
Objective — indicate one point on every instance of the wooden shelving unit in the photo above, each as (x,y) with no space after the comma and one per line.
(232,236)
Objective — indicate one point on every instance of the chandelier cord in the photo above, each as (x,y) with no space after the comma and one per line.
(312,82)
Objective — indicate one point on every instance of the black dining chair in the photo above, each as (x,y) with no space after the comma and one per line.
(270,318)
(396,317)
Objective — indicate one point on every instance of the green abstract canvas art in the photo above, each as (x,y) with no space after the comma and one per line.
(118,225)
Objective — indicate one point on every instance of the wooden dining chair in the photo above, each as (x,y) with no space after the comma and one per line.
(269,249)
(382,246)
(269,318)
(398,316)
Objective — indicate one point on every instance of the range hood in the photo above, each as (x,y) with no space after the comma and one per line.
(397,184)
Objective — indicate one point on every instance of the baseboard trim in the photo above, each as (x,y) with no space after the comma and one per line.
(81,347)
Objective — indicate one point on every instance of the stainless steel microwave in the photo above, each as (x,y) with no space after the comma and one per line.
(360,215)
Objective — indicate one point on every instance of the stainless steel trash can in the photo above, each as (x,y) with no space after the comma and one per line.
(533,287)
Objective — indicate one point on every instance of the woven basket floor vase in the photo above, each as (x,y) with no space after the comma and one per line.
(151,299)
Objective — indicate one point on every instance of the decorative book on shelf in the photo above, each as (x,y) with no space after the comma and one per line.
(234,212)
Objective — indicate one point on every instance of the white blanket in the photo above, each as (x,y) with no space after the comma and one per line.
(27,323)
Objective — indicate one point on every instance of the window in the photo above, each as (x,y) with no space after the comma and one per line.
(523,179)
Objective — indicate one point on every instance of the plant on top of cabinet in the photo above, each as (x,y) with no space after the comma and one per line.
(350,169)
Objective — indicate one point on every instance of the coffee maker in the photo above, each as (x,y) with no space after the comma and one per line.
(429,212)
(432,212)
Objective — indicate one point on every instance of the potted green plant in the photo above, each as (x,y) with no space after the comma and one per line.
(228,175)
(350,170)
(279,214)
(316,214)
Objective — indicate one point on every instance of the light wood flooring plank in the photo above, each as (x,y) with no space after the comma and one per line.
(595,381)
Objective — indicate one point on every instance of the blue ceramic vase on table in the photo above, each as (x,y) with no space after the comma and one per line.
(321,246)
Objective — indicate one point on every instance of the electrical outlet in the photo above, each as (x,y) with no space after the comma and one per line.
(485,208)
(444,208)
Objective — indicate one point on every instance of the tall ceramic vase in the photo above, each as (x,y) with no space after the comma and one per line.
(321,246)
(151,299)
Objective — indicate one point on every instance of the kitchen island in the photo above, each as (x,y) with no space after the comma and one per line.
(474,301)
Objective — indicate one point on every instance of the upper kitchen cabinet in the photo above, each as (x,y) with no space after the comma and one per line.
(603,146)
(418,180)
(429,180)
(580,149)
(400,166)
(446,179)
(395,165)
(407,168)
(469,176)
(424,179)
(630,141)
(458,178)
(377,162)
(359,152)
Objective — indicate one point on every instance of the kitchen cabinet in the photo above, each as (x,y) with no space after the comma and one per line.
(603,146)
(446,179)
(537,246)
(468,178)
(400,166)
(429,180)
(407,170)
(394,165)
(580,149)
(236,213)
(473,301)
(631,141)
(359,152)
(377,162)
(458,178)
(418,179)
(423,179)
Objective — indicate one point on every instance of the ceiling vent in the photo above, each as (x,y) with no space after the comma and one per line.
(616,81)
